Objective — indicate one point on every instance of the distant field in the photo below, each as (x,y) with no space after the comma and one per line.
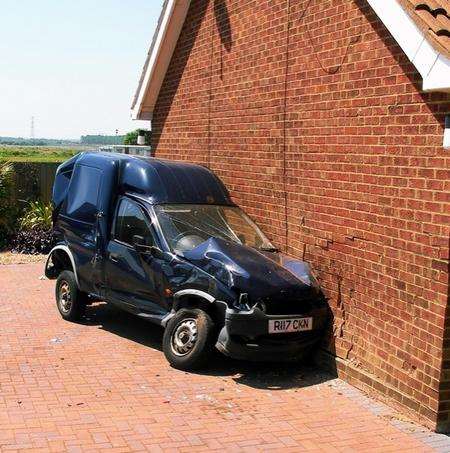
(13,153)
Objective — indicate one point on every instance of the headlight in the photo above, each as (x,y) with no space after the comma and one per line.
(313,282)
(242,303)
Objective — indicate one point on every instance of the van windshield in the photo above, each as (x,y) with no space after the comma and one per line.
(186,226)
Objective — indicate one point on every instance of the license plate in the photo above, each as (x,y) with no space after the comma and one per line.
(290,325)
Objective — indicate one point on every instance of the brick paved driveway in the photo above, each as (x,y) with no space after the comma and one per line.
(105,384)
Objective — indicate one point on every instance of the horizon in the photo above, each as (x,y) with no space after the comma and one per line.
(73,139)
(73,67)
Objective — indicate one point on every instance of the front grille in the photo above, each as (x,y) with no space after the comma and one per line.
(287,337)
(279,338)
(279,306)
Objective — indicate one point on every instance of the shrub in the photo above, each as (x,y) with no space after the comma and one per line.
(131,137)
(33,241)
(27,181)
(35,235)
(38,215)
(9,210)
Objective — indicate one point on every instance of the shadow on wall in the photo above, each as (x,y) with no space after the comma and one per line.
(191,27)
(224,29)
(223,24)
(176,68)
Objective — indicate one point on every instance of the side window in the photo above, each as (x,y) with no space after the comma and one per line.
(61,185)
(131,221)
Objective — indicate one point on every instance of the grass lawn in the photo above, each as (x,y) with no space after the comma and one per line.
(38,153)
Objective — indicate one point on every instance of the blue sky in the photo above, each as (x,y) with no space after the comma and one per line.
(73,65)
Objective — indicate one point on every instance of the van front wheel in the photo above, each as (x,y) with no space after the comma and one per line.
(189,339)
(71,302)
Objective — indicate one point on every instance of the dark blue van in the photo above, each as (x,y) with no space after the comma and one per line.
(164,240)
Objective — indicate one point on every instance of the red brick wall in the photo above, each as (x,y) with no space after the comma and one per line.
(308,110)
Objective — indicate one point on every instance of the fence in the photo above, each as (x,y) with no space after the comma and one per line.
(34,180)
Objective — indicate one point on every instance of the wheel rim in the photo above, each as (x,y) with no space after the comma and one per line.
(64,299)
(184,337)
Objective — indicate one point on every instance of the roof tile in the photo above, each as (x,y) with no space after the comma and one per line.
(433,18)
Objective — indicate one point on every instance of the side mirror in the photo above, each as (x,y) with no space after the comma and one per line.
(140,245)
(157,253)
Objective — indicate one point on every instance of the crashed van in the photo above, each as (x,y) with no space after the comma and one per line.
(164,241)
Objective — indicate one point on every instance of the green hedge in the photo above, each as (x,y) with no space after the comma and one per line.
(34,180)
(30,181)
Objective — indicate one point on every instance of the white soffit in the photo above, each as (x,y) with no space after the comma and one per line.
(432,66)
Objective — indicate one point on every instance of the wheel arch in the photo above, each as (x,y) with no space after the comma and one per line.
(193,298)
(60,259)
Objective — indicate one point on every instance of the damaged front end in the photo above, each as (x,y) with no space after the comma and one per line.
(245,335)
(279,312)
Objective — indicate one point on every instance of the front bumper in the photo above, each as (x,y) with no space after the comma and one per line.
(245,335)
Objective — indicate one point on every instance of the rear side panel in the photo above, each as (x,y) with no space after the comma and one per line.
(82,216)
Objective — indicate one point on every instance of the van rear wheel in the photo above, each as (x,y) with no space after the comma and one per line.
(189,339)
(71,302)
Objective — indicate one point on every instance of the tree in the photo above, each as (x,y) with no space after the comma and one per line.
(101,139)
(132,137)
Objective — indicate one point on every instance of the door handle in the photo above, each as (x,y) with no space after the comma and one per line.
(114,257)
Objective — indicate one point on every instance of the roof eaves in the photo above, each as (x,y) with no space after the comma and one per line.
(170,23)
(433,66)
(432,18)
(150,51)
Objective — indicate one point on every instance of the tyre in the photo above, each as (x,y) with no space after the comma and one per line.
(189,339)
(71,302)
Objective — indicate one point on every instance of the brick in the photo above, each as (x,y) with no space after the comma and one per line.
(363,152)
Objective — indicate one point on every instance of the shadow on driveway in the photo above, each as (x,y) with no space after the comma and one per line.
(270,376)
(123,324)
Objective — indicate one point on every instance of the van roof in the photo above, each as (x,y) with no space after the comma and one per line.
(159,180)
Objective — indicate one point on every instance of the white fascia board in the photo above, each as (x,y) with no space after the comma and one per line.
(136,111)
(159,58)
(438,79)
(432,66)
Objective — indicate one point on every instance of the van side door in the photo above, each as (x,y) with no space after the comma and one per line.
(130,275)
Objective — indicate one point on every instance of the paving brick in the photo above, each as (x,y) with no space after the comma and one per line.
(106,386)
